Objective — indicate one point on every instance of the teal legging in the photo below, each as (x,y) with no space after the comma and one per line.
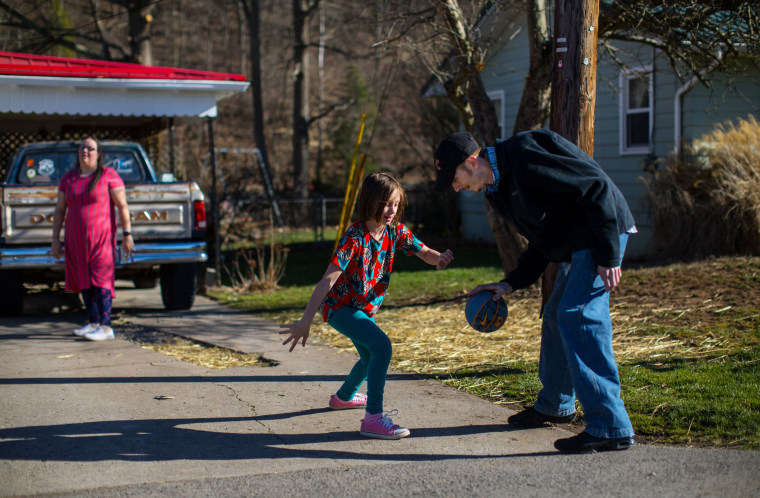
(374,349)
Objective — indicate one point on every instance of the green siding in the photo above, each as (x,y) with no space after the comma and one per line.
(506,70)
(704,107)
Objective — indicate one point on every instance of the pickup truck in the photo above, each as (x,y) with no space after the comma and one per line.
(168,223)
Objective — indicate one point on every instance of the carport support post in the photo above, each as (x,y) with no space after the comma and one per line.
(171,148)
(214,202)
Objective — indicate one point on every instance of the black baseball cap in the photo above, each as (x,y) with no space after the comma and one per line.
(452,152)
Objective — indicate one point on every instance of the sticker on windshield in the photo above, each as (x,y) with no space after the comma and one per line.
(123,166)
(46,167)
(30,173)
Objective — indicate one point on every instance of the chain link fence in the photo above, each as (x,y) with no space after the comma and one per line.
(251,219)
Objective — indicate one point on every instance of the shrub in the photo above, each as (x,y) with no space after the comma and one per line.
(707,202)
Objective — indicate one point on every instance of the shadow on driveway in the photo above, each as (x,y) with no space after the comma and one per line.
(175,439)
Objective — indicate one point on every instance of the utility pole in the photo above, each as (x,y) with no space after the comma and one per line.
(573,97)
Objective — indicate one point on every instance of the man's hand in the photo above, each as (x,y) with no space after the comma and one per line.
(610,276)
(498,288)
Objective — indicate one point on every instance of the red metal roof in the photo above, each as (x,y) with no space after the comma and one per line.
(39,65)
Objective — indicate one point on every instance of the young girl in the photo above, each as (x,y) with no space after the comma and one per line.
(352,290)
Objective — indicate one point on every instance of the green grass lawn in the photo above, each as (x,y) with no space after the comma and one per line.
(712,398)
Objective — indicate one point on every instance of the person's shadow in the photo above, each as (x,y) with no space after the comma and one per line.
(177,439)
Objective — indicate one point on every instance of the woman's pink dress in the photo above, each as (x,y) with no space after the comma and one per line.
(90,230)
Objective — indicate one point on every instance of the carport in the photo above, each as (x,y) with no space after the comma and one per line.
(57,98)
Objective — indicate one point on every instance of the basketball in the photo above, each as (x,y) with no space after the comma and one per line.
(483,313)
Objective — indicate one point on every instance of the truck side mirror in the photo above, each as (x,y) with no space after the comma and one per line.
(166,177)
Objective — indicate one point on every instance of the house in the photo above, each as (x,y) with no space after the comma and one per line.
(643,114)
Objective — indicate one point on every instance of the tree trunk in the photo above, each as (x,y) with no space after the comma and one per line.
(300,101)
(469,96)
(508,241)
(251,8)
(532,114)
(535,102)
(140,20)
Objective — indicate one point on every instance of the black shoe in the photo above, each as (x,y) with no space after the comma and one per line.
(530,418)
(586,443)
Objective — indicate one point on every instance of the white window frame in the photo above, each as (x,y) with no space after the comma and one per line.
(499,94)
(625,77)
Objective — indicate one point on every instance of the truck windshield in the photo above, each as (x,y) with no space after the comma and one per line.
(47,167)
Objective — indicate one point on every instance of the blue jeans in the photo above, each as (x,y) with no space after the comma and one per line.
(576,350)
(375,351)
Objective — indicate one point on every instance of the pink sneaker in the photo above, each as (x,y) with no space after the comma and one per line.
(382,427)
(359,401)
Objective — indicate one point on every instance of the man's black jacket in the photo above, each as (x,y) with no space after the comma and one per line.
(560,200)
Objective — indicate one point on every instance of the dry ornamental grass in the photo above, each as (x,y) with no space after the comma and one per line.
(707,202)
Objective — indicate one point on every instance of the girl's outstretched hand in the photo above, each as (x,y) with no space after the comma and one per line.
(298,331)
(445,259)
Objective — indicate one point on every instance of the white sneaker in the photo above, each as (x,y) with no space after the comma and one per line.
(90,327)
(102,333)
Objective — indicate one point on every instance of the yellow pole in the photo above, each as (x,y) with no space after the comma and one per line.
(357,180)
(343,215)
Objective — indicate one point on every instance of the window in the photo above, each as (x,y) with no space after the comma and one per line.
(636,111)
(45,167)
(48,167)
(125,162)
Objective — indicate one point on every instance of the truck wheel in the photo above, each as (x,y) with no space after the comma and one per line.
(11,293)
(178,283)
(145,280)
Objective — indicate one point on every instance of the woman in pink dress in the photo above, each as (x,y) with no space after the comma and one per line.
(87,196)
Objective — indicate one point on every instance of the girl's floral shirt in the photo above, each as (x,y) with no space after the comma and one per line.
(367,266)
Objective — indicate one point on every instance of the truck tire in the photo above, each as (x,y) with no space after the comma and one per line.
(146,280)
(178,283)
(11,293)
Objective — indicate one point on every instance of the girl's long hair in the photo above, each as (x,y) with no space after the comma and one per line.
(99,170)
(377,190)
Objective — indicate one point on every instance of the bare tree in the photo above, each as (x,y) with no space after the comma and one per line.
(302,9)
(90,34)
(533,112)
(479,115)
(692,34)
(452,35)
